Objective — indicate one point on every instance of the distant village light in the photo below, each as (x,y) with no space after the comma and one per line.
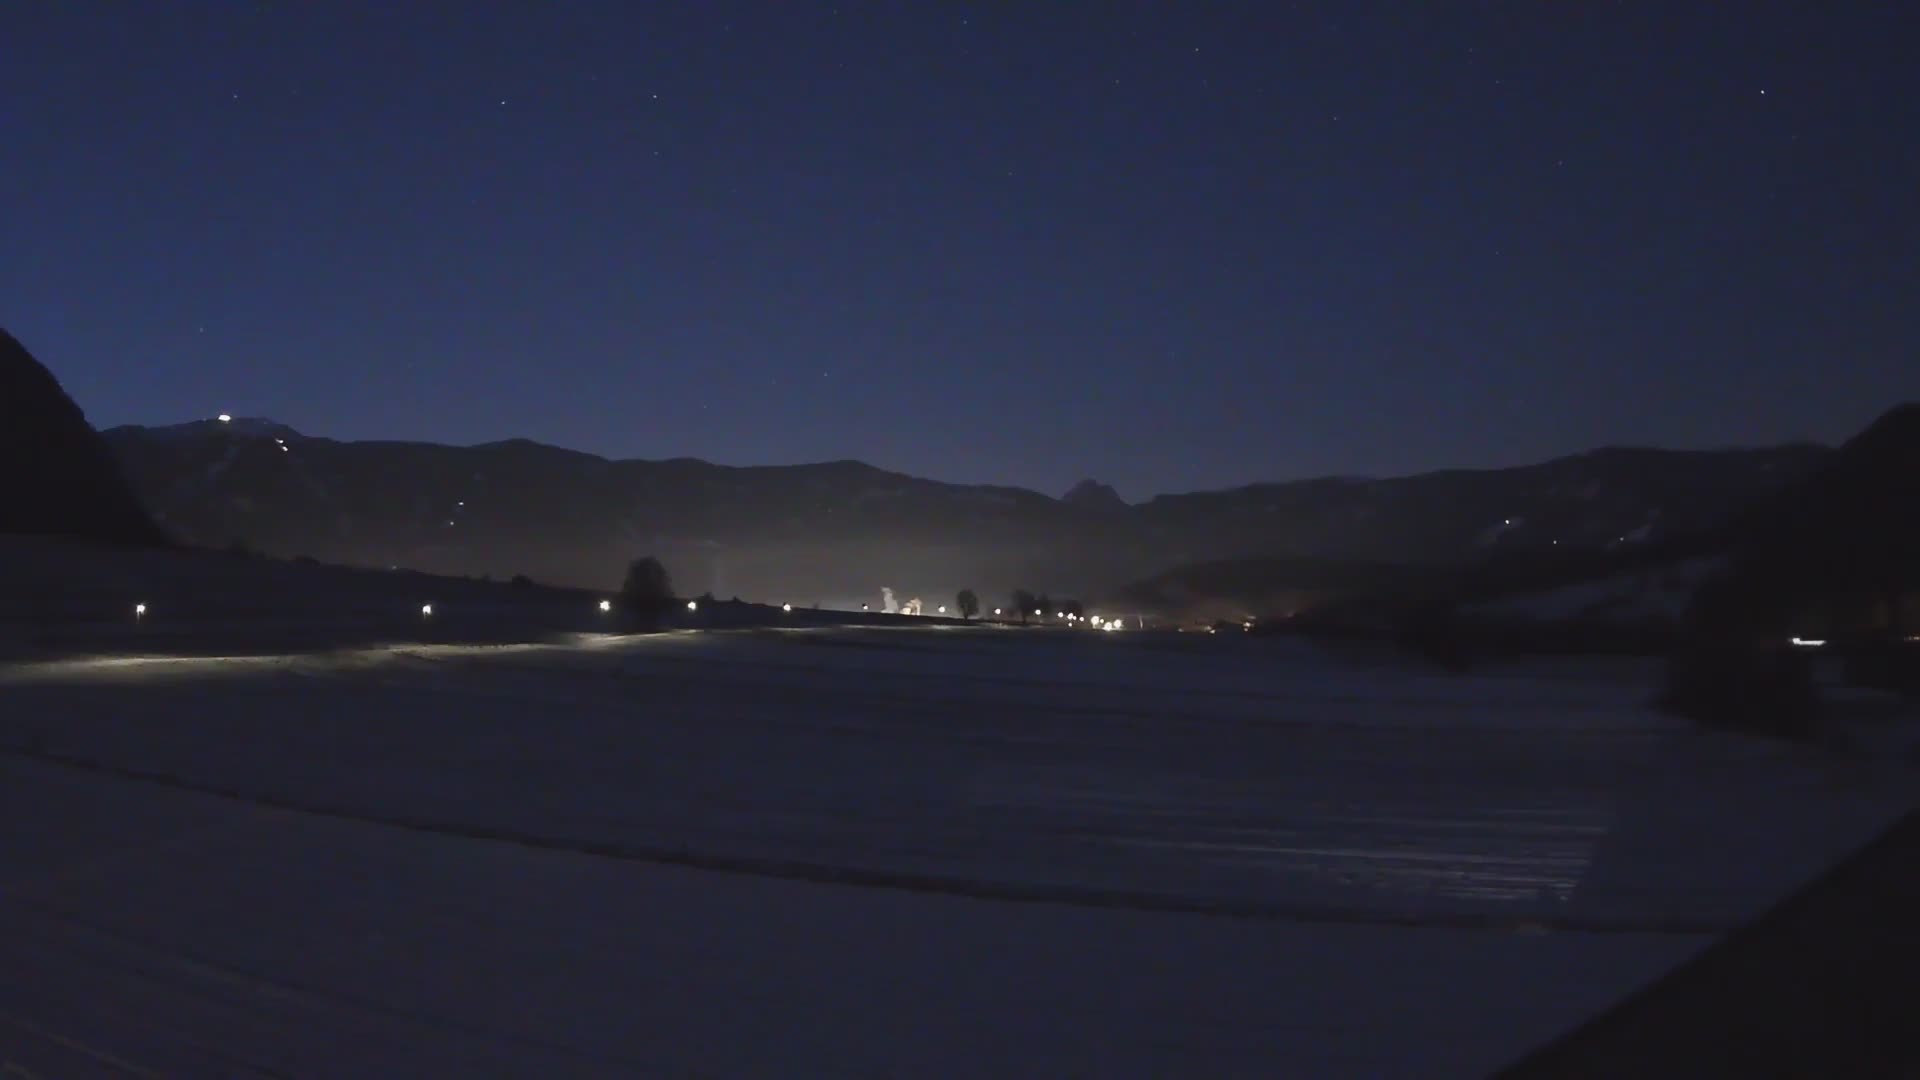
(606,605)
(426,611)
(943,609)
(786,607)
(693,605)
(225,419)
(1807,643)
(139,610)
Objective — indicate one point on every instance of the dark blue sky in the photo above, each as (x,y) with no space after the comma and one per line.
(1171,246)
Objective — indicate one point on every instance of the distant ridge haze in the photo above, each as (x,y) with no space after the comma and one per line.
(835,531)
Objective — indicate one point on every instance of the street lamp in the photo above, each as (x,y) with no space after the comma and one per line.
(139,611)
(788,608)
(426,611)
(693,605)
(606,605)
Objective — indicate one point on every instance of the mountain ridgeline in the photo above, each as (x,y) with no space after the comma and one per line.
(834,533)
(58,477)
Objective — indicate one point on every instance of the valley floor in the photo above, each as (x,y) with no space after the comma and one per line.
(865,851)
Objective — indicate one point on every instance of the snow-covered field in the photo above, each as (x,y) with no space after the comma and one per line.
(889,852)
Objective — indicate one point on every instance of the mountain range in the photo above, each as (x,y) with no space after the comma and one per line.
(836,532)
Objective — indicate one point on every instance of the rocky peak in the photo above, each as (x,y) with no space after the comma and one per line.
(1093,495)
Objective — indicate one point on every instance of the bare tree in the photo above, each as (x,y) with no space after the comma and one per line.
(968,603)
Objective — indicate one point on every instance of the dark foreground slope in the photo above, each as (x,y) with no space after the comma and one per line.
(1824,985)
(57,478)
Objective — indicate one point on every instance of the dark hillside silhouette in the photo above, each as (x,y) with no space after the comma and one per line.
(57,477)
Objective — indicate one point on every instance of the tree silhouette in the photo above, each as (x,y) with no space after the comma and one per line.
(968,603)
(648,591)
(1024,604)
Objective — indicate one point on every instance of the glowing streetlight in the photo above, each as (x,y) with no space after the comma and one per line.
(1036,613)
(943,609)
(606,605)
(996,611)
(788,608)
(693,605)
(139,611)
(225,419)
(426,611)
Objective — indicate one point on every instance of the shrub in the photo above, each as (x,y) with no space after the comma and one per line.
(647,592)
(1891,664)
(1738,685)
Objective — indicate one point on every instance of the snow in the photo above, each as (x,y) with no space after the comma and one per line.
(926,852)
(1649,593)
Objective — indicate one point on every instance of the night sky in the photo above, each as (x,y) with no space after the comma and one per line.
(1170,246)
